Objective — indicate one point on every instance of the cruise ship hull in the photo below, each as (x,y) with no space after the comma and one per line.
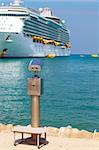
(19,45)
(28,33)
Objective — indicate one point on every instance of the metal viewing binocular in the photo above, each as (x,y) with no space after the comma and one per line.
(35,66)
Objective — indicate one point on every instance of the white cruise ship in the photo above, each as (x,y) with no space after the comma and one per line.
(25,32)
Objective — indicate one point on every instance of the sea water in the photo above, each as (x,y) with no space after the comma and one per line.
(71,92)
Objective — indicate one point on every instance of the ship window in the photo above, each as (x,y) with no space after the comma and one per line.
(14,15)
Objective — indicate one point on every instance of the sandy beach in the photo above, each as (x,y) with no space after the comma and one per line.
(64,138)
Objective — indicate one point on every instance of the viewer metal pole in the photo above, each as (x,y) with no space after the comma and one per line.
(35,91)
(35,119)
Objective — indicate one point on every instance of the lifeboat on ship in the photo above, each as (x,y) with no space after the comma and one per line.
(57,43)
(45,41)
(68,45)
(37,38)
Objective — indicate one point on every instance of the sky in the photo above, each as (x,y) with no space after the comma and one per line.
(81,18)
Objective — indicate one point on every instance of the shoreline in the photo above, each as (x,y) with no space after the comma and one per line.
(64,138)
(67,132)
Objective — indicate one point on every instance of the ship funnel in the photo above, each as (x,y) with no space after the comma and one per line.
(17,2)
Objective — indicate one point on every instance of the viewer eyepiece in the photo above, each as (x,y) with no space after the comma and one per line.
(35,66)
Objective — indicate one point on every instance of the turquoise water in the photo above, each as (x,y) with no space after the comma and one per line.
(71,92)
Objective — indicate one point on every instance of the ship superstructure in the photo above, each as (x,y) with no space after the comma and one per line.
(25,32)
